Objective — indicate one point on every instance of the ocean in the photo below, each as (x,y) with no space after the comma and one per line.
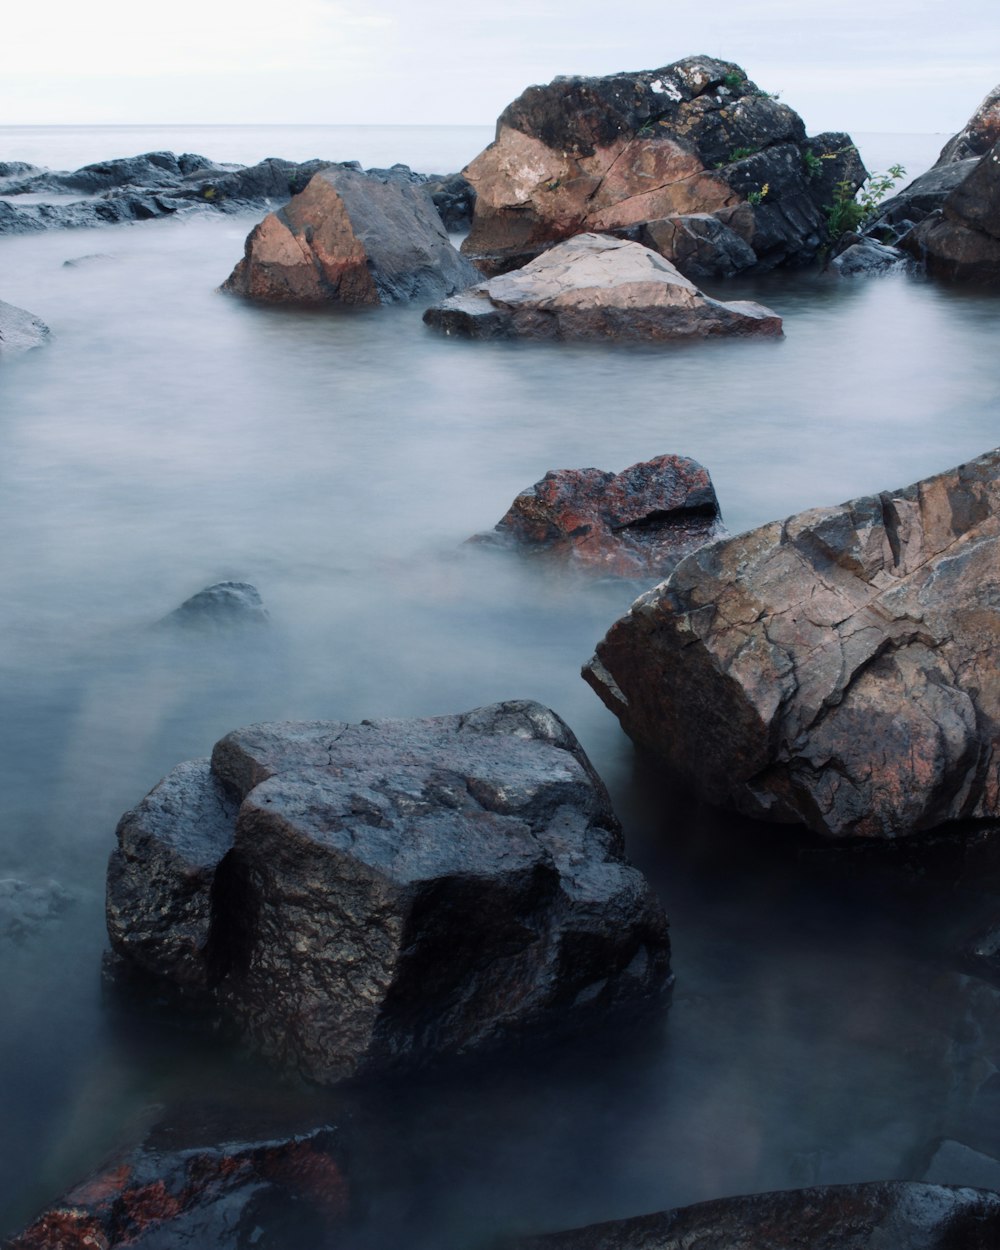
(170,437)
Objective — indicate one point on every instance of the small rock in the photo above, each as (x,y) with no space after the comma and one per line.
(866,257)
(226,605)
(20,331)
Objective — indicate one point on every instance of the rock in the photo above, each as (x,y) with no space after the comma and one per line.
(637,523)
(25,907)
(962,239)
(978,135)
(866,257)
(20,331)
(897,1214)
(923,196)
(226,605)
(596,287)
(366,896)
(454,199)
(226,1196)
(701,245)
(694,138)
(835,669)
(953,1159)
(351,239)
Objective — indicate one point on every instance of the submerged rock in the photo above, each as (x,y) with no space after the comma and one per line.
(20,331)
(374,895)
(351,238)
(225,1196)
(226,605)
(657,146)
(597,287)
(637,523)
(26,906)
(902,1215)
(835,669)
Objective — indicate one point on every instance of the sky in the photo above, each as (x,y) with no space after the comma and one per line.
(842,64)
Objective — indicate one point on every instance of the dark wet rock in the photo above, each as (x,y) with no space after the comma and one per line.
(596,287)
(17,169)
(20,331)
(953,1160)
(454,198)
(351,238)
(637,523)
(695,137)
(865,257)
(962,239)
(835,669)
(226,605)
(899,1214)
(924,195)
(364,896)
(979,133)
(701,245)
(232,1197)
(26,907)
(92,258)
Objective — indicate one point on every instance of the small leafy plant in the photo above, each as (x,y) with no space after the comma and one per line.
(739,154)
(734,80)
(852,211)
(813,164)
(756,197)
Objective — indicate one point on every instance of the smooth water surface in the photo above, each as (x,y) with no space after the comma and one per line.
(170,437)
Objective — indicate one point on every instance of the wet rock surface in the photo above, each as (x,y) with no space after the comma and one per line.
(596,287)
(232,1196)
(834,669)
(20,331)
(866,257)
(693,138)
(637,523)
(223,606)
(898,1214)
(351,238)
(962,239)
(375,895)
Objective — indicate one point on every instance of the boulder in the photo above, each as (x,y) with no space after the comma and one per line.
(349,238)
(453,198)
(978,135)
(693,138)
(835,669)
(357,897)
(637,523)
(222,1196)
(962,239)
(864,256)
(20,331)
(226,605)
(902,1215)
(596,287)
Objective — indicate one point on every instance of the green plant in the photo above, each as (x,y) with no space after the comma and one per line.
(852,210)
(755,197)
(738,154)
(812,163)
(734,80)
(768,95)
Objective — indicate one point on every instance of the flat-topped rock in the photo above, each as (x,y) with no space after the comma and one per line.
(375,895)
(20,331)
(597,287)
(835,669)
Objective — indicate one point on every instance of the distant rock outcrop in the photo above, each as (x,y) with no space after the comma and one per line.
(836,669)
(20,331)
(358,897)
(637,523)
(596,287)
(693,159)
(351,238)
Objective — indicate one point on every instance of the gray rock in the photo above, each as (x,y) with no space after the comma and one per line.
(962,239)
(226,605)
(953,1160)
(866,257)
(365,896)
(596,287)
(20,331)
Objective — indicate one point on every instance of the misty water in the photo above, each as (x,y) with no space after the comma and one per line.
(170,437)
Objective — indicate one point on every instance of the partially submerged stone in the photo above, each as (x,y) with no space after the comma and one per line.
(20,331)
(351,238)
(596,287)
(836,669)
(375,895)
(637,523)
(902,1215)
(222,606)
(689,139)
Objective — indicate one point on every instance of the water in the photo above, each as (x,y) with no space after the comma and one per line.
(170,437)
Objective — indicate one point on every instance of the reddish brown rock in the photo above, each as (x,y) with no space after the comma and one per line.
(351,238)
(199,1197)
(596,287)
(979,133)
(897,1214)
(637,523)
(836,669)
(608,154)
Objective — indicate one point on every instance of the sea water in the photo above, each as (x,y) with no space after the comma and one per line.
(170,437)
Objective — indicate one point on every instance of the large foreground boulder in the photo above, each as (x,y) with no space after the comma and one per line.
(351,238)
(597,287)
(836,669)
(653,153)
(637,523)
(361,896)
(881,1215)
(20,331)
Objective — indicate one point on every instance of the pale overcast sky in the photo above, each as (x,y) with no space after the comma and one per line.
(898,65)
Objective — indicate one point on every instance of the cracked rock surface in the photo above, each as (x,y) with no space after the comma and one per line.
(373,895)
(836,669)
(594,287)
(650,153)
